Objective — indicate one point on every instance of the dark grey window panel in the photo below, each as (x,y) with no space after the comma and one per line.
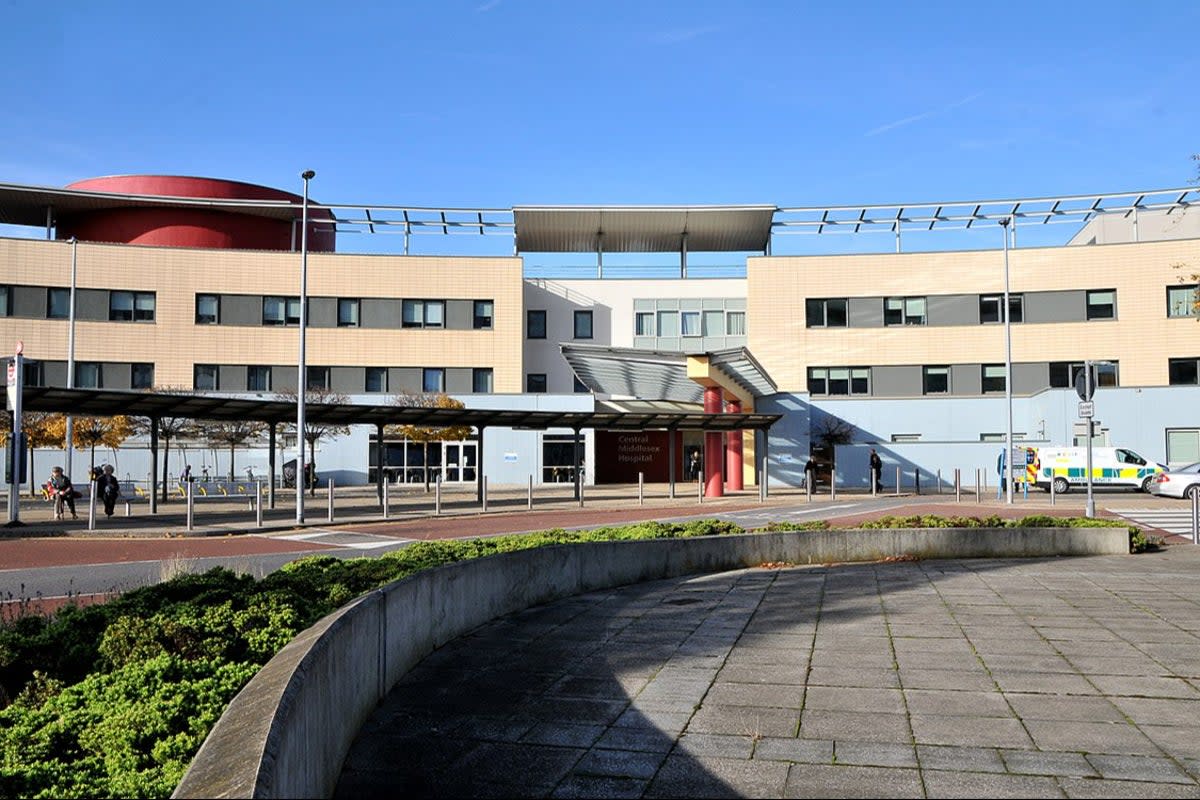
(283,378)
(865,312)
(952,309)
(1066,306)
(241,309)
(378,312)
(347,380)
(1030,378)
(232,377)
(405,379)
(29,301)
(91,304)
(966,378)
(322,312)
(460,315)
(459,380)
(55,372)
(905,381)
(116,374)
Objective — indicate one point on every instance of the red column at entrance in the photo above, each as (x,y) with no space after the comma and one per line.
(733,451)
(712,446)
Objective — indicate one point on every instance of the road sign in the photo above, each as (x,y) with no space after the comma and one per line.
(1087,409)
(1083,387)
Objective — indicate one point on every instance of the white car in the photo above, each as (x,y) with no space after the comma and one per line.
(1178,482)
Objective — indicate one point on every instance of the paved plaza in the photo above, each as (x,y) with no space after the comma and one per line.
(1073,677)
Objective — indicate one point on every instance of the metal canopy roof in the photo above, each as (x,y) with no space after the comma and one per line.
(659,375)
(643,229)
(104,403)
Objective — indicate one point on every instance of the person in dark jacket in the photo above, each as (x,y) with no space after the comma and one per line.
(109,489)
(876,470)
(61,491)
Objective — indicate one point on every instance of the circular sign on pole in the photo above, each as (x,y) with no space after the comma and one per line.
(20,347)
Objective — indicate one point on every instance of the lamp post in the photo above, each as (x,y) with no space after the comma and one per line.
(301,379)
(70,434)
(1008,431)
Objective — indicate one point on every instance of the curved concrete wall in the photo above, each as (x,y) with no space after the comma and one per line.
(288,731)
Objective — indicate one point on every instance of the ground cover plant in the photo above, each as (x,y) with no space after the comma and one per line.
(114,700)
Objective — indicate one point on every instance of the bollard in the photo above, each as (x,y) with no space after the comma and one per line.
(91,507)
(833,483)
(700,489)
(641,488)
(897,481)
(808,475)
(977,496)
(331,499)
(385,497)
(581,491)
(258,503)
(437,496)
(529,501)
(128,508)
(1195,517)
(873,476)
(485,493)
(939,483)
(1052,492)
(957,485)
(917,480)
(191,507)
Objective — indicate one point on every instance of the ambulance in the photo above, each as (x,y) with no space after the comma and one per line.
(1064,467)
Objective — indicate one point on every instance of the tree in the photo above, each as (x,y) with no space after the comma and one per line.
(168,428)
(231,434)
(315,431)
(42,429)
(89,432)
(427,435)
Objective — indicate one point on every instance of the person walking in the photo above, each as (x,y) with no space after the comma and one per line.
(876,471)
(109,489)
(62,492)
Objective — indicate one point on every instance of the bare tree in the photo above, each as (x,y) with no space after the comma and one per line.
(315,431)
(232,434)
(169,428)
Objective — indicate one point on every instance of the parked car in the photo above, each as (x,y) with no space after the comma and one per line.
(1179,482)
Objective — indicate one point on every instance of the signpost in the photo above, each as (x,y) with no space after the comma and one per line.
(1085,387)
(16,378)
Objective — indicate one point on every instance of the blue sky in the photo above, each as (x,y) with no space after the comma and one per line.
(511,102)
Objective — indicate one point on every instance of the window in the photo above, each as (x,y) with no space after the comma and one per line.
(900,438)
(204,377)
(689,323)
(825,313)
(1062,373)
(935,380)
(88,375)
(643,323)
(535,383)
(35,373)
(714,323)
(58,303)
(1183,301)
(5,301)
(990,305)
(433,379)
(481,381)
(483,315)
(583,324)
(1183,446)
(258,379)
(423,314)
(735,323)
(1183,371)
(668,323)
(904,311)
(835,381)
(141,376)
(208,309)
(347,313)
(281,311)
(376,379)
(318,378)
(535,324)
(993,378)
(1102,304)
(579,387)
(131,306)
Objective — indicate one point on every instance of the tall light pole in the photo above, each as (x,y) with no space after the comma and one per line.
(1008,378)
(70,435)
(301,378)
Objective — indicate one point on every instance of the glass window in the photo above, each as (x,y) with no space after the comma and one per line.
(141,376)
(714,323)
(1183,371)
(839,381)
(904,311)
(88,375)
(1183,301)
(1062,373)
(936,380)
(893,311)
(535,383)
(668,323)
(143,307)
(435,314)
(825,313)
(208,309)
(58,303)
(990,305)
(411,313)
(835,313)
(5,301)
(281,311)
(689,323)
(535,322)
(583,324)
(818,380)
(1183,446)
(1102,304)
(433,379)
(318,377)
(258,379)
(423,313)
(993,378)
(35,373)
(376,379)
(914,311)
(735,323)
(481,381)
(483,314)
(643,323)
(120,306)
(860,380)
(347,311)
(204,377)
(579,387)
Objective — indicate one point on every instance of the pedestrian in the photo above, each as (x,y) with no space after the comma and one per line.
(876,470)
(63,492)
(694,465)
(186,475)
(109,489)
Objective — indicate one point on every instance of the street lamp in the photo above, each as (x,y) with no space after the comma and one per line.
(70,434)
(301,379)
(1008,431)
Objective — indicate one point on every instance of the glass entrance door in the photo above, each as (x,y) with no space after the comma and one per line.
(458,462)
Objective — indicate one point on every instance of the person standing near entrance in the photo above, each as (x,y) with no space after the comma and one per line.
(694,465)
(876,470)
